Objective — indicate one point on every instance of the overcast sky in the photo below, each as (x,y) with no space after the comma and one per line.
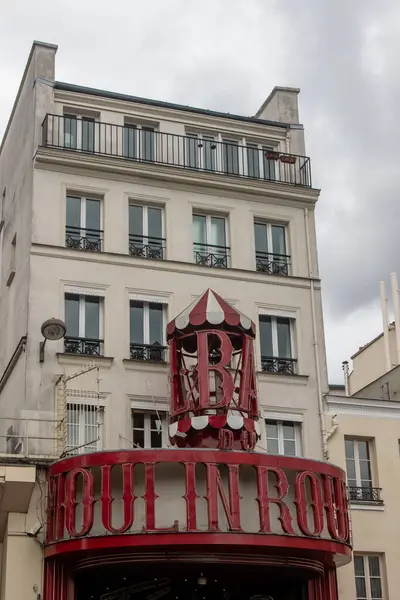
(227,55)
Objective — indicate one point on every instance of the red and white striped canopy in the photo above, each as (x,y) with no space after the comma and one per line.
(210,309)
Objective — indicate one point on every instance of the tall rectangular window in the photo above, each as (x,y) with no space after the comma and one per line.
(88,134)
(83,229)
(70,131)
(359,471)
(147,331)
(139,142)
(79,132)
(200,151)
(230,157)
(146,231)
(276,345)
(367,570)
(83,321)
(283,437)
(84,428)
(149,429)
(210,241)
(270,244)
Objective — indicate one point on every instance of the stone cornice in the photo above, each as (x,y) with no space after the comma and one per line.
(363,407)
(104,167)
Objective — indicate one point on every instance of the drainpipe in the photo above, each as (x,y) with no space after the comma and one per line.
(334,426)
(395,292)
(315,341)
(385,321)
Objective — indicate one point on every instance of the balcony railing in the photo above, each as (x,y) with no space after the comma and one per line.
(365,494)
(209,255)
(274,364)
(30,437)
(273,264)
(90,240)
(145,145)
(86,346)
(148,352)
(147,247)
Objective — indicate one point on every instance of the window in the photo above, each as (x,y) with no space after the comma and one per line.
(83,224)
(83,321)
(201,151)
(260,161)
(146,231)
(139,142)
(147,331)
(367,570)
(149,429)
(79,133)
(230,157)
(283,437)
(276,345)
(359,472)
(84,428)
(270,243)
(210,244)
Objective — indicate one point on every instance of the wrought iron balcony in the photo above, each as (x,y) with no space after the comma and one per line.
(148,352)
(273,264)
(209,255)
(147,247)
(145,145)
(87,346)
(365,494)
(90,240)
(275,364)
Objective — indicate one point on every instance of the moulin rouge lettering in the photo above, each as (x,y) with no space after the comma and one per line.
(318,506)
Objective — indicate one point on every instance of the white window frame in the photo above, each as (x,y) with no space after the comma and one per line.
(145,217)
(253,144)
(146,319)
(80,117)
(367,576)
(147,414)
(269,225)
(357,459)
(82,445)
(136,126)
(297,434)
(82,321)
(207,137)
(274,330)
(83,200)
(209,216)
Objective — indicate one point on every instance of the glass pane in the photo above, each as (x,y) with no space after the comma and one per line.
(260,235)
(136,220)
(156,439)
(278,239)
(210,149)
(231,157)
(253,164)
(155,422)
(349,448)
(92,317)
(72,315)
(361,589)
(374,567)
(217,232)
(289,448)
(266,336)
(130,150)
(272,446)
(271,429)
(73,212)
(284,346)
(88,134)
(70,129)
(351,470)
(199,229)
(268,164)
(147,134)
(136,323)
(138,438)
(376,589)
(93,214)
(192,151)
(156,324)
(363,450)
(359,565)
(138,420)
(154,222)
(288,431)
(365,472)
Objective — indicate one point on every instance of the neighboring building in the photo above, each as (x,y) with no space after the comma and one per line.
(118,212)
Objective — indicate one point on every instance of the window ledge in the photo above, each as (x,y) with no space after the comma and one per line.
(282,378)
(378,506)
(65,358)
(145,365)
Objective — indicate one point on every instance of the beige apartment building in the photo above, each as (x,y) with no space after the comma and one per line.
(117,212)
(364,437)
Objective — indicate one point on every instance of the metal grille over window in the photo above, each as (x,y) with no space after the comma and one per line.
(84,423)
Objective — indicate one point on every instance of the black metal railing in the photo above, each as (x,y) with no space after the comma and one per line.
(90,240)
(147,247)
(146,145)
(365,494)
(87,346)
(148,352)
(273,264)
(274,364)
(209,255)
